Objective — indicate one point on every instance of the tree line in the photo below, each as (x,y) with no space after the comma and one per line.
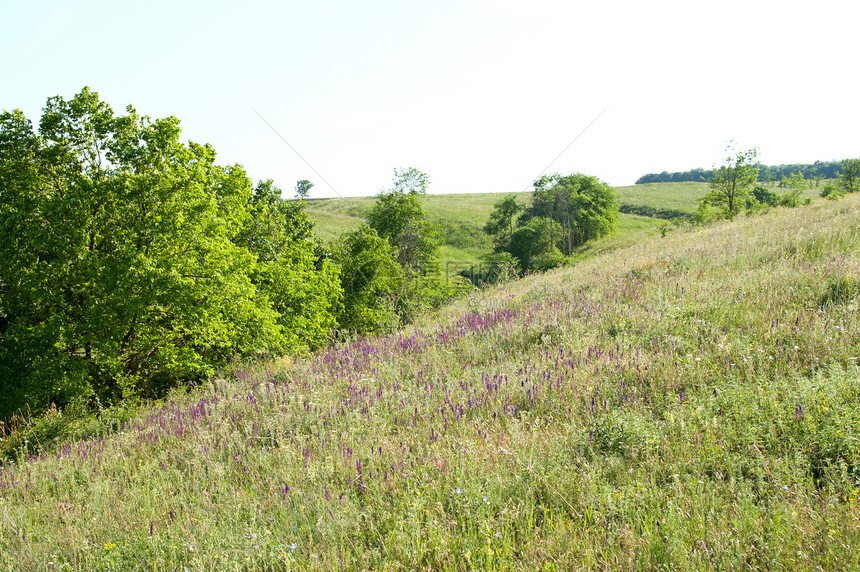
(766,173)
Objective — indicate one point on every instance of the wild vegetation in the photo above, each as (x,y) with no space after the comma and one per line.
(686,402)
(192,380)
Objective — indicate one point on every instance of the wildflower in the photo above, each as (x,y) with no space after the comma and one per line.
(293,547)
(458,491)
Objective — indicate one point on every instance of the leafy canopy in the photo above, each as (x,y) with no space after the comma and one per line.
(849,177)
(370,278)
(132,261)
(501,223)
(398,217)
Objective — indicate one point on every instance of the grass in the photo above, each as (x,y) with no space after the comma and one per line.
(682,197)
(461,218)
(685,402)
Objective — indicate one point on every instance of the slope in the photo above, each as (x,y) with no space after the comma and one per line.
(688,402)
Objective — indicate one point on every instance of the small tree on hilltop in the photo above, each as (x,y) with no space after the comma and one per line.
(303,189)
(732,183)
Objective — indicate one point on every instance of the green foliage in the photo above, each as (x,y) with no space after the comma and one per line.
(303,189)
(398,217)
(849,178)
(732,183)
(566,212)
(494,268)
(293,270)
(371,280)
(548,260)
(501,223)
(832,191)
(796,185)
(585,207)
(131,259)
(765,196)
(535,238)
(767,173)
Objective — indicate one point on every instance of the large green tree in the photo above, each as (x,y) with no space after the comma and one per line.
(732,183)
(130,259)
(293,269)
(583,206)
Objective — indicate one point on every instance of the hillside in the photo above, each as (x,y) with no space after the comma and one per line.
(461,218)
(687,402)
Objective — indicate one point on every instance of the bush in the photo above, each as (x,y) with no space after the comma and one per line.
(371,280)
(548,260)
(494,268)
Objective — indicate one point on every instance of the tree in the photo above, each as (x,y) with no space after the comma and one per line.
(848,178)
(732,183)
(585,208)
(133,262)
(796,185)
(371,280)
(293,270)
(303,189)
(410,181)
(398,217)
(501,223)
(533,241)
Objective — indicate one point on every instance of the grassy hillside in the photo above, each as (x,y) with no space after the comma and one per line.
(688,402)
(461,218)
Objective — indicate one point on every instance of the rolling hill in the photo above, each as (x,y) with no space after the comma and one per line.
(684,402)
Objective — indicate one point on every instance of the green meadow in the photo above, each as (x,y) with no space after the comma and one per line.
(460,219)
(680,399)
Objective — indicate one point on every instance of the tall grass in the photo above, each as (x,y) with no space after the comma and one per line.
(689,402)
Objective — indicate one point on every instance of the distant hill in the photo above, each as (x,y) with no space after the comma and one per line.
(460,218)
(822,169)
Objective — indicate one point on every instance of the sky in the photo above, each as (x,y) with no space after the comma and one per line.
(482,95)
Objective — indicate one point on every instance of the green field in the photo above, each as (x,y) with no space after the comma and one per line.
(461,218)
(684,402)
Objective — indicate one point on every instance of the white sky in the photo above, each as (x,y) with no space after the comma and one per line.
(480,94)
